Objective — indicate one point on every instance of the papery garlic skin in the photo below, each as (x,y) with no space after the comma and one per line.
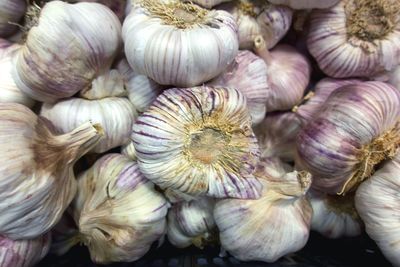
(199,141)
(23,253)
(67,50)
(305,4)
(118,211)
(191,223)
(259,18)
(183,55)
(209,3)
(248,74)
(129,151)
(354,39)
(395,78)
(117,6)
(36,173)
(270,227)
(11,12)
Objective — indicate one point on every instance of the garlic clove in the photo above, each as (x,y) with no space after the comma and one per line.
(199,141)
(305,4)
(11,12)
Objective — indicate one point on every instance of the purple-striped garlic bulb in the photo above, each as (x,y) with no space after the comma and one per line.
(23,253)
(288,74)
(118,211)
(268,228)
(209,3)
(377,201)
(36,176)
(356,38)
(66,50)
(11,12)
(395,78)
(192,222)
(357,128)
(258,17)
(248,74)
(199,141)
(103,103)
(305,4)
(177,43)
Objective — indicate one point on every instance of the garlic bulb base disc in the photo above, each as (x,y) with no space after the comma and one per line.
(342,204)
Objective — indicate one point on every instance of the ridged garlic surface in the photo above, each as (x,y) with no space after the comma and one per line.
(377,202)
(66,50)
(356,38)
(248,74)
(199,141)
(209,3)
(118,211)
(305,4)
(36,176)
(192,223)
(258,17)
(11,12)
(23,253)
(117,6)
(268,228)
(178,43)
(104,103)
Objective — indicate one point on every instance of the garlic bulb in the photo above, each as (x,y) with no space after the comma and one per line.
(66,50)
(258,17)
(377,202)
(357,128)
(179,43)
(23,253)
(270,227)
(103,103)
(191,223)
(248,74)
(356,38)
(199,141)
(11,12)
(118,211)
(209,3)
(395,78)
(36,177)
(335,216)
(305,4)
(129,151)
(288,74)
(9,92)
(142,91)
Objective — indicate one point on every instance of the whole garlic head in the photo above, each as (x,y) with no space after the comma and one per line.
(199,141)
(11,12)
(118,211)
(305,4)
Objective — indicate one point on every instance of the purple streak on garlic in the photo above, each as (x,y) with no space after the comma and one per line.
(356,38)
(199,141)
(11,12)
(179,44)
(270,227)
(357,128)
(23,253)
(37,182)
(259,18)
(67,50)
(377,202)
(248,74)
(305,4)
(395,78)
(118,211)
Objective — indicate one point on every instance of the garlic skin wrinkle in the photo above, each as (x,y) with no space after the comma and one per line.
(199,141)
(305,4)
(129,150)
(23,253)
(11,12)
(178,43)
(36,173)
(268,228)
(118,211)
(356,38)
(66,50)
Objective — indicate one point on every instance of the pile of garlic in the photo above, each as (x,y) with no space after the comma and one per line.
(127,122)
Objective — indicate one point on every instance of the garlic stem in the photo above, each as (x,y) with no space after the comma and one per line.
(261,50)
(294,184)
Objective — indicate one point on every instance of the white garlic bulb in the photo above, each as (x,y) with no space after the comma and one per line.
(199,141)
(104,103)
(23,253)
(268,228)
(191,223)
(129,151)
(118,211)
(395,77)
(142,91)
(209,3)
(9,92)
(335,216)
(11,12)
(66,50)
(258,17)
(179,43)
(305,4)
(377,201)
(36,176)
(248,74)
